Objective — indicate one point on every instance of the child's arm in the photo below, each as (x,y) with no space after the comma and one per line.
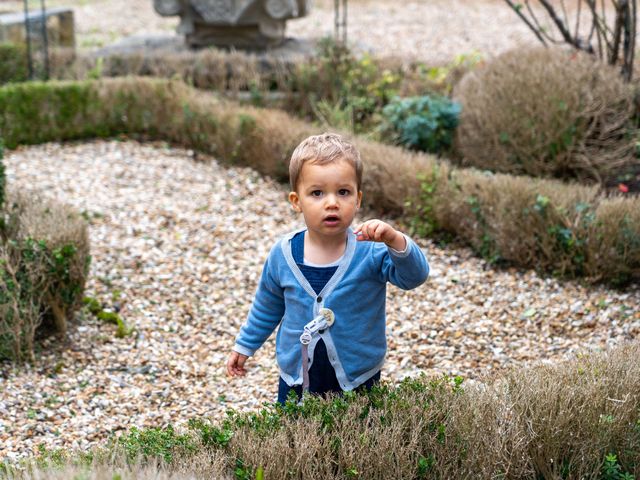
(265,314)
(403,263)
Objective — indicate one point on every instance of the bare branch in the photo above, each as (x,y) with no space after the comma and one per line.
(595,25)
(517,8)
(613,43)
(617,33)
(634,36)
(577,29)
(540,28)
(629,39)
(560,25)
(565,17)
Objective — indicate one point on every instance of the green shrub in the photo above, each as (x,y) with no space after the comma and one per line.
(335,85)
(13,63)
(437,79)
(424,123)
(150,443)
(44,260)
(547,112)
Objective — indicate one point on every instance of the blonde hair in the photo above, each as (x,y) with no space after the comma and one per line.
(322,149)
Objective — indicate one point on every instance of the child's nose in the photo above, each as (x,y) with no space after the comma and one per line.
(332,200)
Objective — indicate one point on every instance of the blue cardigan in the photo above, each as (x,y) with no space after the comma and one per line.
(356,343)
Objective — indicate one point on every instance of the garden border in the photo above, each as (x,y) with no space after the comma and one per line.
(565,229)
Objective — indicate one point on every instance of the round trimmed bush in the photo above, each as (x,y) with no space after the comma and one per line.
(546,112)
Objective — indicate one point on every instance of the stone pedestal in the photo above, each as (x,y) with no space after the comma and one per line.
(249,24)
(59,21)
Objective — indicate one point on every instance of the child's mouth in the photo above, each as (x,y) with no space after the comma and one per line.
(331,221)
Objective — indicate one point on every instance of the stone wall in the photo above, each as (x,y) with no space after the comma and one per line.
(59,21)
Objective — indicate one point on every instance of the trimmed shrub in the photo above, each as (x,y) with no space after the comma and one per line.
(544,224)
(44,262)
(424,123)
(334,85)
(546,112)
(576,419)
(13,63)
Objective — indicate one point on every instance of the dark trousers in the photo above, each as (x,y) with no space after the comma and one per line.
(322,377)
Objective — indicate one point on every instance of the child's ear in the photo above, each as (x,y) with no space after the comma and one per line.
(294,200)
(359,198)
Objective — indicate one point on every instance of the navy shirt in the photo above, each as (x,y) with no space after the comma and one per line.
(316,276)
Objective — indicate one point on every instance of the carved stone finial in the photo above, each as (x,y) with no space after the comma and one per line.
(237,23)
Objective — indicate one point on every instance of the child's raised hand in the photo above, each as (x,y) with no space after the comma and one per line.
(379,231)
(235,365)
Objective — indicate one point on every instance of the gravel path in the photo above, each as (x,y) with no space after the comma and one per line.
(179,245)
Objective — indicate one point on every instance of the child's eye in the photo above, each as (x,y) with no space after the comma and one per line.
(316,193)
(344,192)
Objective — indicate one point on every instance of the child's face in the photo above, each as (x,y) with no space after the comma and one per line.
(328,197)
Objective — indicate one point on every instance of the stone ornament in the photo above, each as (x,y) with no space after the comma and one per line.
(233,23)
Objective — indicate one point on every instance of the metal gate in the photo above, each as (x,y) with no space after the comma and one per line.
(35,24)
(340,21)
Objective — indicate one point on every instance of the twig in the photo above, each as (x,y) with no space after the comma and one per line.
(564,14)
(526,21)
(617,34)
(559,24)
(577,29)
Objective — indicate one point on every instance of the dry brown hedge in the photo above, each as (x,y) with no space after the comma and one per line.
(44,262)
(546,112)
(566,229)
(541,421)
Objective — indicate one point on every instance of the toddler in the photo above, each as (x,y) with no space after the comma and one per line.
(325,284)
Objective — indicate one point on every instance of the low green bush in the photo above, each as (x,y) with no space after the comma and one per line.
(570,230)
(13,63)
(576,419)
(425,123)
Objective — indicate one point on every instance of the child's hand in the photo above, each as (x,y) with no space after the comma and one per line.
(235,365)
(379,231)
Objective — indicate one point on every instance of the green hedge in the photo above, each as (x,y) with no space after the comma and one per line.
(568,230)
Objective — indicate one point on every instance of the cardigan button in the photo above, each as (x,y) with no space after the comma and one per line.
(319,299)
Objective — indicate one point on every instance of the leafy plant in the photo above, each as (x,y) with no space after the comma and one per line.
(424,123)
(211,435)
(611,469)
(345,91)
(487,246)
(423,221)
(107,316)
(441,78)
(149,443)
